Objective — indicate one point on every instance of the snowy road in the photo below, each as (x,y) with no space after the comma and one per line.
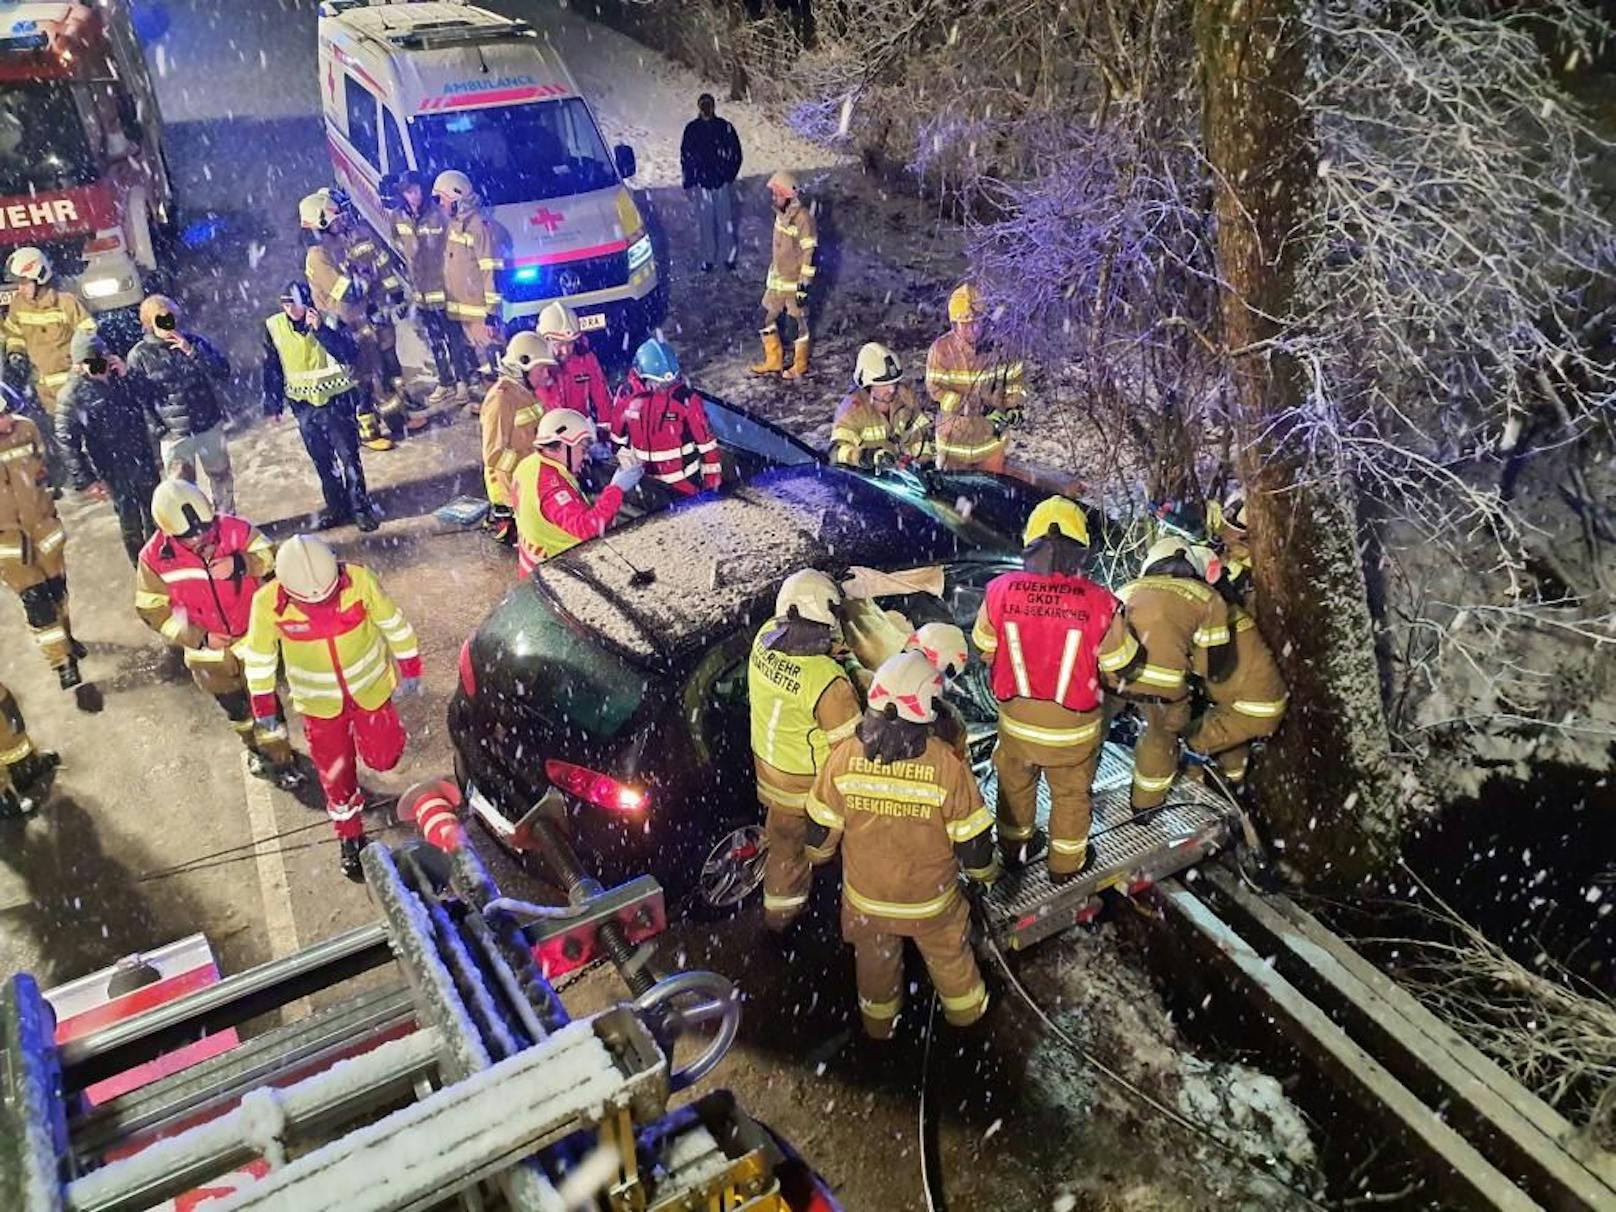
(148,836)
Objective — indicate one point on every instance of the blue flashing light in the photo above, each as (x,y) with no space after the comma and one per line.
(528,273)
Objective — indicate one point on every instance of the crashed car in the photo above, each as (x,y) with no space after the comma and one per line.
(618,674)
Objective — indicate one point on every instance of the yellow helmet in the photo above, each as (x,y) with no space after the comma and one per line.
(1203,559)
(813,595)
(306,568)
(1056,516)
(181,509)
(559,321)
(910,684)
(964,304)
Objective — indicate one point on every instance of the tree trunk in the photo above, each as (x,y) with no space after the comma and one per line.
(1325,789)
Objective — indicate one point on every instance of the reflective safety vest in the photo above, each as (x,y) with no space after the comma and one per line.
(335,653)
(538,538)
(784,691)
(312,374)
(177,593)
(1049,637)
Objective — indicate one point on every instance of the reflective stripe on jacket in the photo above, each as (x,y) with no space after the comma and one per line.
(177,595)
(788,731)
(509,417)
(668,431)
(473,258)
(1049,637)
(1255,687)
(862,429)
(553,514)
(1174,619)
(421,239)
(334,653)
(312,375)
(42,328)
(796,236)
(26,507)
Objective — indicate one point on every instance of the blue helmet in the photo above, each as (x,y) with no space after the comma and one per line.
(656,362)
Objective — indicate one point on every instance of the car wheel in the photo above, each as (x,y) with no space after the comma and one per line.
(732,869)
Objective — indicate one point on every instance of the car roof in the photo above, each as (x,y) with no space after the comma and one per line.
(714,557)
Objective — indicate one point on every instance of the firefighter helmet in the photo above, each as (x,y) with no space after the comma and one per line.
(655,362)
(181,509)
(785,182)
(453,185)
(321,210)
(559,321)
(306,568)
(964,304)
(153,306)
(811,595)
(1203,559)
(525,351)
(943,644)
(876,365)
(1057,517)
(564,425)
(910,684)
(28,264)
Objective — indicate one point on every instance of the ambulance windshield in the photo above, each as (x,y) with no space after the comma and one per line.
(518,153)
(43,142)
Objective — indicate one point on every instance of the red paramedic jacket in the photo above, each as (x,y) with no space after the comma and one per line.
(667,429)
(1049,632)
(581,384)
(194,594)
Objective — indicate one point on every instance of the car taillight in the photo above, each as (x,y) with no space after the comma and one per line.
(595,788)
(104,241)
(468,676)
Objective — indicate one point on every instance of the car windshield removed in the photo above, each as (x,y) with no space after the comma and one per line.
(518,153)
(43,142)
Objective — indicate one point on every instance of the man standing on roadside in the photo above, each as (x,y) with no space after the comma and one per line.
(186,372)
(710,155)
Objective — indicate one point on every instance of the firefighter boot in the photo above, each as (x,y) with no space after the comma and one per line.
(774,355)
(352,847)
(371,436)
(799,360)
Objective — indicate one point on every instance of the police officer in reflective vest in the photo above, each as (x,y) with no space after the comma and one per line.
(1182,624)
(803,703)
(346,649)
(308,366)
(194,586)
(552,513)
(1048,632)
(909,818)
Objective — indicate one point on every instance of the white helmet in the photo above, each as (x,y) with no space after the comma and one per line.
(812,595)
(181,509)
(306,568)
(910,684)
(876,365)
(564,425)
(28,264)
(559,321)
(525,351)
(320,210)
(943,644)
(453,185)
(1203,559)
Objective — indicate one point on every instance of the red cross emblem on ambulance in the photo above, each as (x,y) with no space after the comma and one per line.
(546,218)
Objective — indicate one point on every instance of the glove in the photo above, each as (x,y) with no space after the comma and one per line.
(884,459)
(267,723)
(625,479)
(410,688)
(17,366)
(802,296)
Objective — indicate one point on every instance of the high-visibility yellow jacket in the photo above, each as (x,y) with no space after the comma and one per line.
(1177,620)
(336,653)
(801,707)
(473,256)
(310,373)
(42,328)
(862,429)
(796,237)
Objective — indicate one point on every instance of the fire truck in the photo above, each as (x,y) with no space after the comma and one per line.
(82,174)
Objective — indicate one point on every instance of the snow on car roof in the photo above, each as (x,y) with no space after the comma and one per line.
(715,556)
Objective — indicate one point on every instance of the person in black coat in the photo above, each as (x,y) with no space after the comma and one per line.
(186,372)
(104,424)
(710,155)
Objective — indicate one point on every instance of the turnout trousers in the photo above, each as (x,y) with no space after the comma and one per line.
(944,943)
(34,567)
(1155,755)
(218,674)
(338,745)
(331,436)
(787,869)
(1038,738)
(1226,733)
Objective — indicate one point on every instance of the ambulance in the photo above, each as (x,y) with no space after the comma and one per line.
(82,174)
(440,85)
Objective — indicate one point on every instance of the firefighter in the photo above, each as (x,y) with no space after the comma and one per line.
(579,374)
(473,259)
(354,279)
(421,229)
(345,648)
(552,513)
(663,423)
(879,424)
(1226,527)
(977,387)
(909,818)
(308,366)
(791,273)
(23,767)
(1247,702)
(104,422)
(33,545)
(186,371)
(803,703)
(943,644)
(39,326)
(1182,625)
(1047,633)
(194,586)
(524,392)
